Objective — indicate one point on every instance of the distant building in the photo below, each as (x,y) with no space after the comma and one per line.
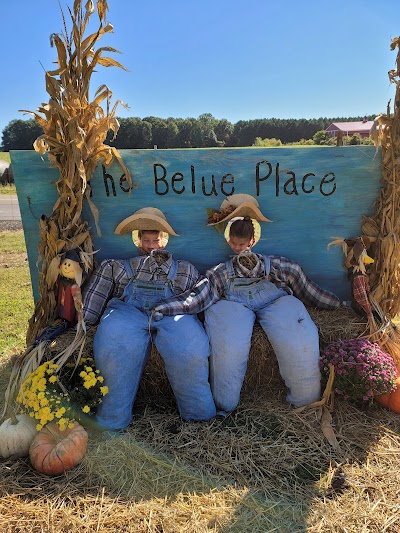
(362,127)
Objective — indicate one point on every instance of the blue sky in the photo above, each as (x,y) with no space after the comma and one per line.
(235,59)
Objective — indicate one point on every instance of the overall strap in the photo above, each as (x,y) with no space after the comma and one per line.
(173,271)
(129,268)
(230,270)
(267,264)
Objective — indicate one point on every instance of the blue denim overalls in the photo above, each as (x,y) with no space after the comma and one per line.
(288,326)
(122,346)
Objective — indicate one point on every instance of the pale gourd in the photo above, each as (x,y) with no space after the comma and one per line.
(16,435)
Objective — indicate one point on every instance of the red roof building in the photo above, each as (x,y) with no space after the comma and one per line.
(362,127)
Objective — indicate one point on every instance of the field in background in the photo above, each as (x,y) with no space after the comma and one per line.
(5,156)
(16,300)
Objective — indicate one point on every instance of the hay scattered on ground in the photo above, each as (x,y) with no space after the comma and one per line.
(264,468)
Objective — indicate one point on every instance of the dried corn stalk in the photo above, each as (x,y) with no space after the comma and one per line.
(385,224)
(75,129)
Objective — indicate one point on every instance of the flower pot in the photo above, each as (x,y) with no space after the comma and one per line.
(391,400)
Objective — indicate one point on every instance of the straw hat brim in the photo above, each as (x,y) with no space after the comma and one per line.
(246,209)
(257,230)
(143,221)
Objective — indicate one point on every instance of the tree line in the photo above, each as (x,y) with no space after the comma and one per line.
(202,132)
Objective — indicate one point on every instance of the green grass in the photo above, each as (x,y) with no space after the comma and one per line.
(16,299)
(8,189)
(5,156)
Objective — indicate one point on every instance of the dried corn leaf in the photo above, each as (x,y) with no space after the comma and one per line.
(74,131)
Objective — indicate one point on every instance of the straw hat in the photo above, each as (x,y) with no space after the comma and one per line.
(148,218)
(237,205)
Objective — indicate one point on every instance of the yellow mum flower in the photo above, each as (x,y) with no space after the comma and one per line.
(62,423)
(52,379)
(104,390)
(86,409)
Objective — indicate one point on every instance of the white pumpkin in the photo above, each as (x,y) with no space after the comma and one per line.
(16,435)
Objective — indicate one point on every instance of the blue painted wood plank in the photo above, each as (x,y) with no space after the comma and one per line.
(310,194)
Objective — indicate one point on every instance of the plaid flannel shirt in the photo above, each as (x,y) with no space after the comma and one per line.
(110,278)
(284,273)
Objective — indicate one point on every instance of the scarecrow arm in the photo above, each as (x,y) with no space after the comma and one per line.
(104,284)
(285,272)
(190,302)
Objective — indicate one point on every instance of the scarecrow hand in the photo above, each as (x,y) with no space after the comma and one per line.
(157,316)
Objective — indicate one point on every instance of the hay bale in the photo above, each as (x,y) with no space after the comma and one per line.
(262,376)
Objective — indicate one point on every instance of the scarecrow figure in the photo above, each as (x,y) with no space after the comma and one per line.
(384,333)
(248,287)
(357,259)
(121,296)
(65,275)
(69,298)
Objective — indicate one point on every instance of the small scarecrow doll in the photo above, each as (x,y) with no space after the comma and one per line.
(381,329)
(356,261)
(69,296)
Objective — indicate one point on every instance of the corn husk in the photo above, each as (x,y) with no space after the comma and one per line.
(384,225)
(74,131)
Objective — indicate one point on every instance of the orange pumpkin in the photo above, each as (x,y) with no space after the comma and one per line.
(53,451)
(391,400)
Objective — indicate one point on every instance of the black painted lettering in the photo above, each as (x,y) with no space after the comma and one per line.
(178,176)
(325,180)
(229,181)
(106,179)
(157,179)
(277,180)
(213,189)
(258,178)
(193,179)
(291,182)
(122,181)
(303,183)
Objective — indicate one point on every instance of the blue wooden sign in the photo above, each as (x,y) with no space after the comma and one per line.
(311,195)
